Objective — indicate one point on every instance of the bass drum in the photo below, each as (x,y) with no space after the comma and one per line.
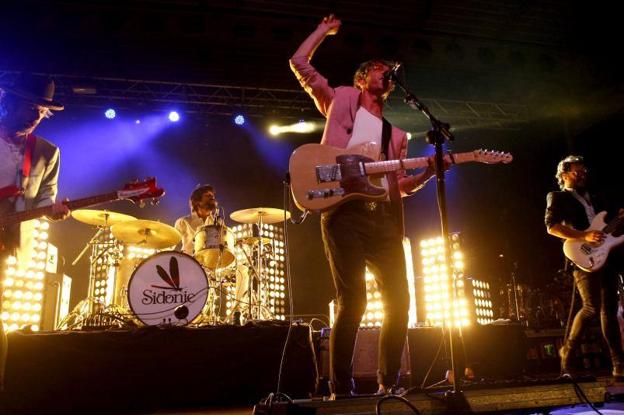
(168,288)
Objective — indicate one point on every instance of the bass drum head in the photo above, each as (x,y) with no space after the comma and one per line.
(168,288)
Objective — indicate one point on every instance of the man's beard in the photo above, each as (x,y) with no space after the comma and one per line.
(211,205)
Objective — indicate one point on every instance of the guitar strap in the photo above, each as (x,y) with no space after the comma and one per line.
(14,190)
(386,135)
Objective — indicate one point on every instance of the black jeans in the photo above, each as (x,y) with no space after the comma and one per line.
(355,235)
(599,292)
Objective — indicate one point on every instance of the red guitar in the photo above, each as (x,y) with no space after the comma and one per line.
(134,191)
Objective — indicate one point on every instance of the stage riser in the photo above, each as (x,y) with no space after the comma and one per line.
(153,368)
(537,399)
(493,352)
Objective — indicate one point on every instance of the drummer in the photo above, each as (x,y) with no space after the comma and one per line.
(204,211)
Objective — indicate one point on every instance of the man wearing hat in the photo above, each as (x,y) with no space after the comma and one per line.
(29,165)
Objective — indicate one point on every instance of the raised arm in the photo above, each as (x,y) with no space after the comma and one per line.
(313,82)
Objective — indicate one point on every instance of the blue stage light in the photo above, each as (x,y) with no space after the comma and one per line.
(174,116)
(239,119)
(110,113)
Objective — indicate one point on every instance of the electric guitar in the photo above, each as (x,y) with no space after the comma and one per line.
(590,256)
(323,177)
(134,191)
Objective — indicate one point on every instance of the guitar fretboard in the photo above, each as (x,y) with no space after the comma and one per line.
(46,210)
(376,167)
(613,225)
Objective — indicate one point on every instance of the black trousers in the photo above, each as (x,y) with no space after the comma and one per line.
(599,293)
(355,235)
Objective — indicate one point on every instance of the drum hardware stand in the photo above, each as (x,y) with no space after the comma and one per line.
(257,274)
(436,136)
(89,310)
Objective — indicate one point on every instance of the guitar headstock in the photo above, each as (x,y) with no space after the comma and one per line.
(492,157)
(137,191)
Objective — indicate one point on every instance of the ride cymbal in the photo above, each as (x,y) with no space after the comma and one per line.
(255,215)
(100,217)
(147,233)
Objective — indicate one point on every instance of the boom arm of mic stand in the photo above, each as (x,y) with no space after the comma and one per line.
(413,101)
(436,136)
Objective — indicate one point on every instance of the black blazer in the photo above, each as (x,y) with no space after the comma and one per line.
(562,206)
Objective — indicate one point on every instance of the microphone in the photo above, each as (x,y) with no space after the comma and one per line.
(392,72)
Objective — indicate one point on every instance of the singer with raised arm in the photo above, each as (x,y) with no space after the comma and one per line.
(358,233)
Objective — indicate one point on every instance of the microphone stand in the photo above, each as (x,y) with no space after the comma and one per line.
(439,132)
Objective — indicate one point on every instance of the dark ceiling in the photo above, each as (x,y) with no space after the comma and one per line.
(535,57)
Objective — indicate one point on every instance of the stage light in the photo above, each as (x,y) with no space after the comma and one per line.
(473,302)
(174,116)
(21,292)
(239,119)
(137,122)
(273,289)
(301,127)
(110,113)
(409,136)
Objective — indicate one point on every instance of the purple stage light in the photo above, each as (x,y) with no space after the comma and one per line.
(174,116)
(239,119)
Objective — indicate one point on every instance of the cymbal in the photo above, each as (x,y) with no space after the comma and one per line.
(254,215)
(254,240)
(100,217)
(147,233)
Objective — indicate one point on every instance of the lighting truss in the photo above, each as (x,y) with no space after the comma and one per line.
(202,99)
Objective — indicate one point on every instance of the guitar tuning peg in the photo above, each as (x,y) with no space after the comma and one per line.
(155,202)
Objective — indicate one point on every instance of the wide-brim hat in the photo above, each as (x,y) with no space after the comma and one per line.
(38,89)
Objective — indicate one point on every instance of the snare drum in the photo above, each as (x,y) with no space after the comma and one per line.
(168,288)
(214,246)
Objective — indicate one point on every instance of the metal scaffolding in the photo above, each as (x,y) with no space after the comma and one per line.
(203,99)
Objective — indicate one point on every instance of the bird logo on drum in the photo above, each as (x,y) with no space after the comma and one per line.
(172,278)
(168,288)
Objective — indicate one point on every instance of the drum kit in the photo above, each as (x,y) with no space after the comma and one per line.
(136,277)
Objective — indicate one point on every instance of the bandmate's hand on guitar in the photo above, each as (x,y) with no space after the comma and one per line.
(329,25)
(430,171)
(60,211)
(594,236)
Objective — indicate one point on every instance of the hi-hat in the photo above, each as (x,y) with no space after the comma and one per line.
(254,240)
(255,215)
(100,217)
(147,233)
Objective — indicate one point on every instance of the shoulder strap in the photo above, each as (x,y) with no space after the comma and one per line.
(30,148)
(386,135)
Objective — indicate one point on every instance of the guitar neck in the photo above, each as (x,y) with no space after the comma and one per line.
(18,217)
(614,225)
(387,166)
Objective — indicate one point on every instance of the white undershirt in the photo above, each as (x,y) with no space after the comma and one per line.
(368,128)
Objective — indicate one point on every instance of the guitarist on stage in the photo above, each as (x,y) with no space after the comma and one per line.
(29,165)
(360,233)
(567,212)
